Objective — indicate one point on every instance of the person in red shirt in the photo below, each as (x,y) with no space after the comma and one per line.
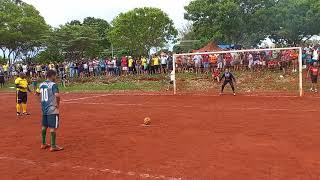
(205,61)
(124,65)
(314,73)
(216,75)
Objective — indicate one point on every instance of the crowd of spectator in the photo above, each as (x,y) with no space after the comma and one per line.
(285,60)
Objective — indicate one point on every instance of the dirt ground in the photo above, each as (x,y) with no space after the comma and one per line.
(191,137)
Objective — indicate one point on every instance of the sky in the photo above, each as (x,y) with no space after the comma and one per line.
(57,12)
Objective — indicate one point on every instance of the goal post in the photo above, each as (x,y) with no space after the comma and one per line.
(300,65)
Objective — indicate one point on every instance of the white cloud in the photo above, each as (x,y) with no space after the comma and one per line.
(57,12)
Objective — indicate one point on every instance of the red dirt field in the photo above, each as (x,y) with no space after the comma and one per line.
(191,137)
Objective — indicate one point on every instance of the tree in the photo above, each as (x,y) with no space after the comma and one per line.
(102,27)
(141,29)
(216,20)
(248,22)
(295,21)
(22,29)
(74,41)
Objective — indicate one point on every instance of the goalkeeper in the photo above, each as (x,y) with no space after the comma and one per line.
(228,78)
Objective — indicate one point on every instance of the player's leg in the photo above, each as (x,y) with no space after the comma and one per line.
(18,101)
(223,85)
(232,87)
(53,124)
(44,128)
(315,81)
(24,100)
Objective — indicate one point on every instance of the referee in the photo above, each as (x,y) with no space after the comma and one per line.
(228,78)
(22,96)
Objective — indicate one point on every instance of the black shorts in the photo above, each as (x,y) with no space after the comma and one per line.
(22,97)
(314,79)
(51,121)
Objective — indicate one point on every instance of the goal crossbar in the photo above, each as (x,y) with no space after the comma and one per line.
(241,51)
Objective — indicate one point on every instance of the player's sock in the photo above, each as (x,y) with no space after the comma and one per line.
(53,139)
(18,108)
(24,108)
(44,134)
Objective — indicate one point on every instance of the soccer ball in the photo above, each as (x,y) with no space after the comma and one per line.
(147,121)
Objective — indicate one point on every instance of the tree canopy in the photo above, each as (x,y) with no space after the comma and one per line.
(22,29)
(247,22)
(141,29)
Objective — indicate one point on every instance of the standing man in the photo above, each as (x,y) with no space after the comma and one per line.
(2,79)
(50,101)
(197,62)
(313,72)
(228,78)
(22,96)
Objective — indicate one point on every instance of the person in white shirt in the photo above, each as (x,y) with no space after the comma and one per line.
(25,68)
(315,56)
(197,63)
(164,59)
(250,58)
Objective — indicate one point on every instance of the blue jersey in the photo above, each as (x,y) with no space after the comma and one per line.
(49,103)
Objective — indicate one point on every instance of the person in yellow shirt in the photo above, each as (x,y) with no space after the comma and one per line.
(22,96)
(5,68)
(144,64)
(156,63)
(130,65)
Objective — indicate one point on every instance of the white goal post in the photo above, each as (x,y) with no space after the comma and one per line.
(241,51)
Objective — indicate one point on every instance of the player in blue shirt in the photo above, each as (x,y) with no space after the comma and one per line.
(50,100)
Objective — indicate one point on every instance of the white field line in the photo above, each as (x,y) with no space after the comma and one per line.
(91,169)
(190,106)
(87,97)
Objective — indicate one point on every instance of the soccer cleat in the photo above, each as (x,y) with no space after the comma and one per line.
(18,114)
(316,90)
(56,148)
(311,89)
(234,94)
(44,146)
(27,114)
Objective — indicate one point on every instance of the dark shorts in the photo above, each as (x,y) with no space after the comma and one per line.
(314,79)
(22,97)
(156,67)
(51,121)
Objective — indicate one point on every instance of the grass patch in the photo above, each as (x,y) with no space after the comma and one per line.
(264,81)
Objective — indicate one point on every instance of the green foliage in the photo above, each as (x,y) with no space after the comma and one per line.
(76,40)
(140,29)
(22,29)
(295,20)
(247,22)
(102,27)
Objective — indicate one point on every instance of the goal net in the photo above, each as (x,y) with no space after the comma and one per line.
(256,70)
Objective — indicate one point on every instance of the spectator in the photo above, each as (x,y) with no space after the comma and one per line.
(124,65)
(2,79)
(197,63)
(118,66)
(205,60)
(164,59)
